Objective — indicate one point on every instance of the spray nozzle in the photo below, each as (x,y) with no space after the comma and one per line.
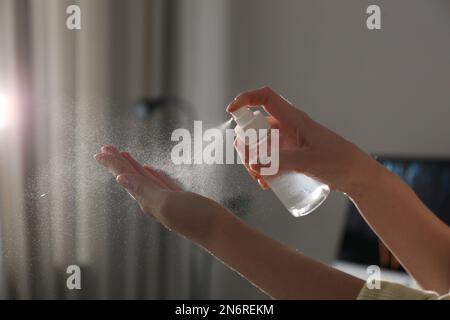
(247,119)
(242,116)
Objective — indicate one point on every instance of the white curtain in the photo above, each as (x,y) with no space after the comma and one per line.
(69,92)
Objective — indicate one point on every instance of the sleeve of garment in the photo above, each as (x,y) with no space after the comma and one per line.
(394,291)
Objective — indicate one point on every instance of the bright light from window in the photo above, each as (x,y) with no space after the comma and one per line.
(3,110)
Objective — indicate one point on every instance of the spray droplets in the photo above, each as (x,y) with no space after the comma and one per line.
(225,125)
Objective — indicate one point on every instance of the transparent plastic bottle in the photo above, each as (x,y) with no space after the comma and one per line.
(299,193)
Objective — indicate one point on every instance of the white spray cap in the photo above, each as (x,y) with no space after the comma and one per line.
(246,119)
(242,116)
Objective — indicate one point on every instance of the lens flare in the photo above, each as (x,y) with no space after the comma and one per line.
(3,110)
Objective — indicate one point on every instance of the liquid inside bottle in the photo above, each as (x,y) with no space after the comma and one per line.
(299,193)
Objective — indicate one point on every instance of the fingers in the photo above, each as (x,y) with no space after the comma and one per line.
(274,124)
(122,163)
(142,189)
(242,149)
(146,188)
(109,149)
(133,183)
(159,178)
(163,178)
(139,168)
(243,152)
(115,163)
(263,184)
(273,103)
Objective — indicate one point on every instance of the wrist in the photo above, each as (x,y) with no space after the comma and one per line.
(366,174)
(208,233)
(223,225)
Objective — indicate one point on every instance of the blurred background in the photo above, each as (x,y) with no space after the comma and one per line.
(137,69)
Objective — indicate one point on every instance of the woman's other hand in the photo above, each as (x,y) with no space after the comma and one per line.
(187,213)
(305,145)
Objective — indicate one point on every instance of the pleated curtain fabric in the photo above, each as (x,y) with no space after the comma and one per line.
(72,91)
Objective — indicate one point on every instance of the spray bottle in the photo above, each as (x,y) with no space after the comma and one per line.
(299,193)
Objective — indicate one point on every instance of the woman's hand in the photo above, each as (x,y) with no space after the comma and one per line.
(418,239)
(159,196)
(305,145)
(278,270)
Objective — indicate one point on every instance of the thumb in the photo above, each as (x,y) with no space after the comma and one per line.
(145,192)
(134,184)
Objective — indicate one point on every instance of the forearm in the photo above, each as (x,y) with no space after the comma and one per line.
(420,241)
(276,269)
